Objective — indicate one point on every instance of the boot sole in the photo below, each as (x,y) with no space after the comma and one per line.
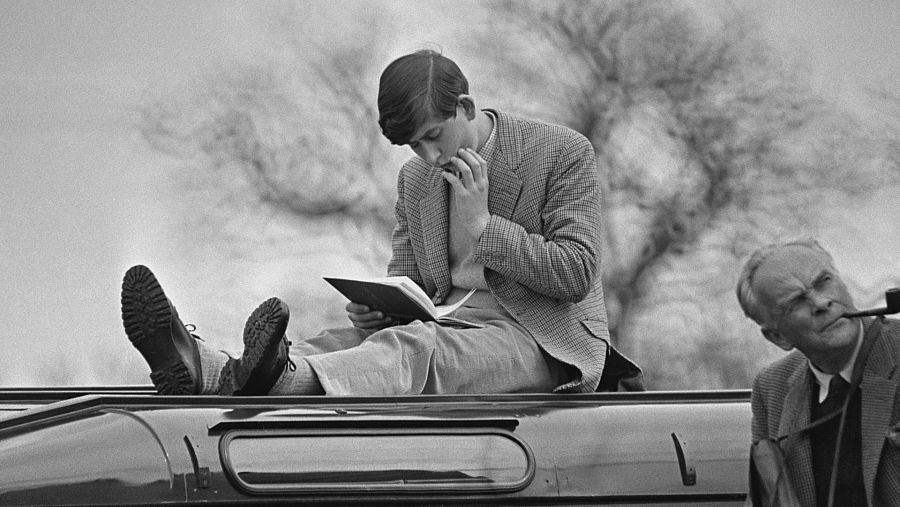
(263,334)
(147,318)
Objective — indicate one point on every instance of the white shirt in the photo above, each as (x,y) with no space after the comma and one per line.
(823,379)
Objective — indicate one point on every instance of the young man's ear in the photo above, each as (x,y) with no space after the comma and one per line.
(777,338)
(468,105)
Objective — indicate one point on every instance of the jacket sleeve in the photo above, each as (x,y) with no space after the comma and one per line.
(758,424)
(563,261)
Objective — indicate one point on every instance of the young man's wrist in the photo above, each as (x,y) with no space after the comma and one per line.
(478,228)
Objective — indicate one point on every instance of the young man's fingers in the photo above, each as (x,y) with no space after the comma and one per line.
(369,320)
(359,312)
(466,175)
(475,162)
(481,162)
(457,182)
(357,308)
(451,178)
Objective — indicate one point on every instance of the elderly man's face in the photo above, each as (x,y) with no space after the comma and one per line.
(805,299)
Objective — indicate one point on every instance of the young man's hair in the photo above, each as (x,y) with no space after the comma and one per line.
(416,88)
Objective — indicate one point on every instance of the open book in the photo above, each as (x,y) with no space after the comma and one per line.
(400,298)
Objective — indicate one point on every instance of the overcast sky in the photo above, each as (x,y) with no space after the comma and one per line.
(77,203)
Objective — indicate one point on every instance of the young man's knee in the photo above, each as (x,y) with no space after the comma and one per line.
(415,337)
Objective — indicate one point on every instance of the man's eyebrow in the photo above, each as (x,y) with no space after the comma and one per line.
(791,297)
(798,294)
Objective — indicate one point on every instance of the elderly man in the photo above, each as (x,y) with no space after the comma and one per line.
(793,291)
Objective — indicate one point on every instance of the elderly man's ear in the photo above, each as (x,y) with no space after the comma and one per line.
(777,338)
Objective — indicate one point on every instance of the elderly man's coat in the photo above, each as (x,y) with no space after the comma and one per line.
(781,401)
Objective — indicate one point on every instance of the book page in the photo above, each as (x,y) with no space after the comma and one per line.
(443,310)
(365,290)
(460,323)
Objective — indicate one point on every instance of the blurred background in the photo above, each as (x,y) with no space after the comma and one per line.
(232,146)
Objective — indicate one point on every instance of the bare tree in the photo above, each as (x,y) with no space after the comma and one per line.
(297,134)
(705,139)
(886,135)
(707,142)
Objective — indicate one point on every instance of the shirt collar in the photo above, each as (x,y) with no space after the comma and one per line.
(487,150)
(823,379)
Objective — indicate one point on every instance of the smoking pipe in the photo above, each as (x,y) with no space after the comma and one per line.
(891,297)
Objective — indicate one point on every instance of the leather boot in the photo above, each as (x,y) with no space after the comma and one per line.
(154,328)
(265,352)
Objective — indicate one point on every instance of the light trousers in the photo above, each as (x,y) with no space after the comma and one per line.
(417,358)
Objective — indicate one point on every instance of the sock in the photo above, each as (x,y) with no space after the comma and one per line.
(211,363)
(297,381)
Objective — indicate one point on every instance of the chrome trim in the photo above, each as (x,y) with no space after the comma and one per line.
(448,487)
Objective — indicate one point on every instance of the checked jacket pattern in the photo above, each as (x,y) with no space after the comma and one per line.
(781,404)
(541,247)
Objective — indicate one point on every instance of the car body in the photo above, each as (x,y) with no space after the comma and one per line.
(130,446)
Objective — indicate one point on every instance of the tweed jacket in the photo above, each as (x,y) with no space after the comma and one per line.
(540,249)
(781,404)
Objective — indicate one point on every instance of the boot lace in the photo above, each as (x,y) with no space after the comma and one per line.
(290,362)
(190,329)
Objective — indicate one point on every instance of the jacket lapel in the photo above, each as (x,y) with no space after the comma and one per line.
(796,415)
(878,394)
(434,210)
(796,402)
(504,185)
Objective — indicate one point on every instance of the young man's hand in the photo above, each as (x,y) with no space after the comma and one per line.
(364,317)
(470,189)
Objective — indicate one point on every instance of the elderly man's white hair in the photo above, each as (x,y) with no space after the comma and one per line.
(745,293)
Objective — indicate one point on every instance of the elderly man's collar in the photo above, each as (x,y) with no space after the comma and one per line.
(824,379)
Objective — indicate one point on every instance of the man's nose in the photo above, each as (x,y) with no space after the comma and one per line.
(820,301)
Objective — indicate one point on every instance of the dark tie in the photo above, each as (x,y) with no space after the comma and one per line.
(837,393)
(849,489)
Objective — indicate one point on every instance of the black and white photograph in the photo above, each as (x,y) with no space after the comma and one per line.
(436,252)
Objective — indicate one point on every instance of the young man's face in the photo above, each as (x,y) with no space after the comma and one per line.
(438,140)
(806,299)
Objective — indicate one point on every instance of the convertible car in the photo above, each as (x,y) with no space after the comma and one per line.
(128,445)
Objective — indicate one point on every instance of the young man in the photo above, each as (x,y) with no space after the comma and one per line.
(492,202)
(793,291)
